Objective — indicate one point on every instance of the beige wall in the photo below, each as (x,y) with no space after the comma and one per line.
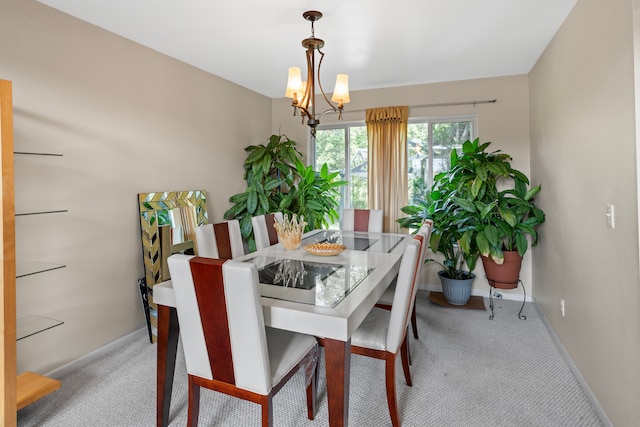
(128,120)
(505,123)
(583,151)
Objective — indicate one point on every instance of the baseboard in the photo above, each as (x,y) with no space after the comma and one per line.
(515,295)
(96,354)
(574,369)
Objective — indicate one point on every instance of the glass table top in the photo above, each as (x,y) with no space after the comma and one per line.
(317,280)
(309,282)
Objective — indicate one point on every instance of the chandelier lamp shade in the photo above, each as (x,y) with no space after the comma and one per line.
(303,93)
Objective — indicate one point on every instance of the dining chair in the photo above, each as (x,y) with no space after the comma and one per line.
(362,220)
(383,333)
(227,347)
(386,300)
(222,240)
(263,231)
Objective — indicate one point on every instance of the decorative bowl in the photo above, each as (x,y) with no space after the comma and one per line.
(324,249)
(290,231)
(291,239)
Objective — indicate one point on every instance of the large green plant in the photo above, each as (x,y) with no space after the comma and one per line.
(481,205)
(269,169)
(278,181)
(497,206)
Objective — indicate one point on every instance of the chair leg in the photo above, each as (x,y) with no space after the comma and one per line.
(414,324)
(267,411)
(390,377)
(404,356)
(312,394)
(194,403)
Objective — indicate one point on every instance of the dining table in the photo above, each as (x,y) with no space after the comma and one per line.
(311,293)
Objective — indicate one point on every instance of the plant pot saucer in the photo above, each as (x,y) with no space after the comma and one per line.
(475,302)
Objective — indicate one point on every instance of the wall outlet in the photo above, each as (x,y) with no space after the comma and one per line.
(562,306)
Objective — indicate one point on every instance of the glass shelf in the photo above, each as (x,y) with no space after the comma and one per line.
(31,325)
(28,268)
(42,212)
(31,153)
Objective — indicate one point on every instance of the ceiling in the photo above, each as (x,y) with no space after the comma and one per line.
(378,44)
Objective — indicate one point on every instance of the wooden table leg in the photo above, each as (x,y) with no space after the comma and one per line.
(168,332)
(337,356)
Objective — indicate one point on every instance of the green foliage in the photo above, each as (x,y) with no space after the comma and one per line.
(472,215)
(315,196)
(278,181)
(494,220)
(268,170)
(437,205)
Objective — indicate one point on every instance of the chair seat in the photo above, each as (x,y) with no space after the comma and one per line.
(372,332)
(286,349)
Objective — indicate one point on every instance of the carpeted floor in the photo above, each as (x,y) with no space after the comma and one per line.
(467,371)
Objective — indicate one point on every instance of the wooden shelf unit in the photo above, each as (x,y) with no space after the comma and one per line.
(16,391)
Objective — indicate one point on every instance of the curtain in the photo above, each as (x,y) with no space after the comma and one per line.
(387,171)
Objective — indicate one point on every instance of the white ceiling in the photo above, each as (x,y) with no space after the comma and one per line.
(377,43)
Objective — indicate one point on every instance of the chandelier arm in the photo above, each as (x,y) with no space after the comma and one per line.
(334,107)
(303,111)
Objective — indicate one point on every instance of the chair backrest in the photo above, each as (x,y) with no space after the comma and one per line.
(264,232)
(404,294)
(222,240)
(423,234)
(362,220)
(221,321)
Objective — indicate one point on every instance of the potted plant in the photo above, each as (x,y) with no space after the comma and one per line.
(481,206)
(278,181)
(497,216)
(438,206)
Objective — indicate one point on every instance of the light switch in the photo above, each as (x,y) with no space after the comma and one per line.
(611,216)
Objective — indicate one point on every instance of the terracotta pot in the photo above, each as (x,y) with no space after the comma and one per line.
(505,276)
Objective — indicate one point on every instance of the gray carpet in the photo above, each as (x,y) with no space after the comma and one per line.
(467,371)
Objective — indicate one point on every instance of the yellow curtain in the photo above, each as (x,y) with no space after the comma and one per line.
(387,171)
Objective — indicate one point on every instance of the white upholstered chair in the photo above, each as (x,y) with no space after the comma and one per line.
(386,300)
(383,333)
(264,233)
(362,220)
(226,345)
(222,240)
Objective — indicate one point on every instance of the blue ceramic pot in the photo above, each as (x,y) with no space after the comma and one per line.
(456,291)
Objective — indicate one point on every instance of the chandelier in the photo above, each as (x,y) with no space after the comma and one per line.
(304,93)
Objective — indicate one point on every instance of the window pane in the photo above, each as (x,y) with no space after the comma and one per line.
(330,149)
(447,137)
(359,154)
(429,146)
(418,159)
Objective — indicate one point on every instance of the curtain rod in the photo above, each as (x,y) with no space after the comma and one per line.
(442,104)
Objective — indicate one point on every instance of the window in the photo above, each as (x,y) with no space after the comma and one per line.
(430,141)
